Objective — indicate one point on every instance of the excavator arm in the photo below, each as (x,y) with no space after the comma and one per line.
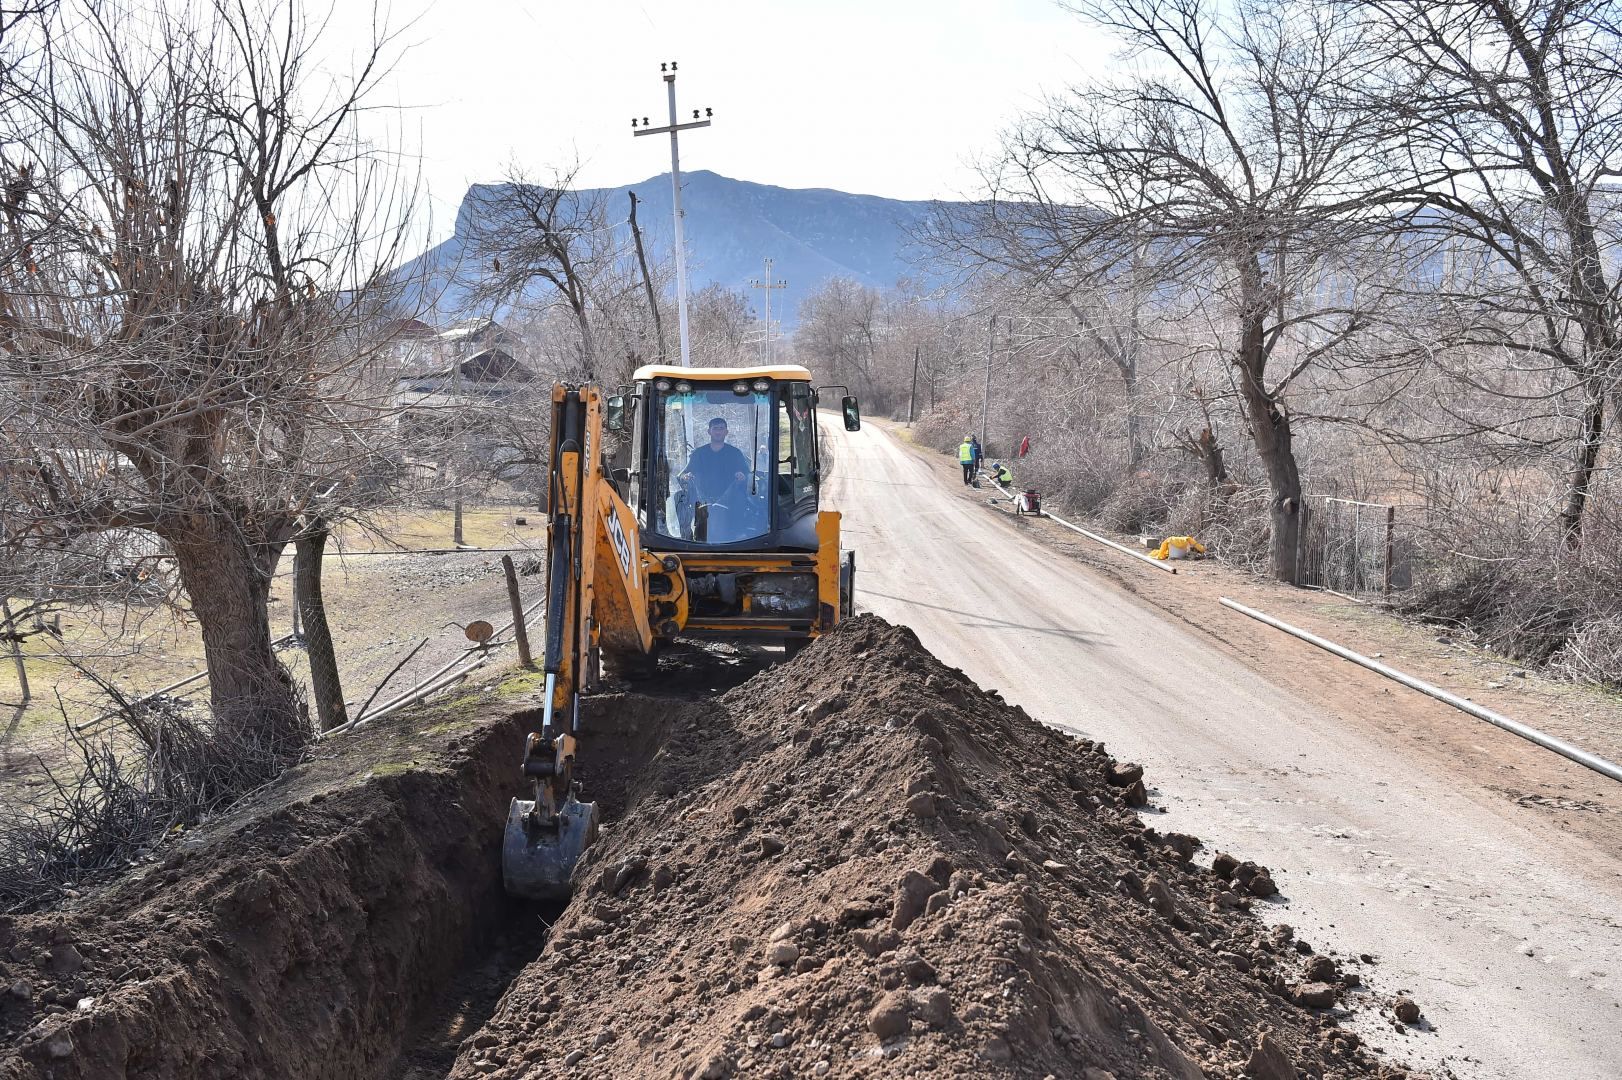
(597,578)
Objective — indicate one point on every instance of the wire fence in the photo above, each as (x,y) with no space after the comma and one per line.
(1359,549)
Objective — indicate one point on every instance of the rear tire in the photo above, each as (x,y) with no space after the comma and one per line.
(793,646)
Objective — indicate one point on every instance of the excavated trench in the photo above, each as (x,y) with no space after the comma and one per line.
(627,730)
(351,924)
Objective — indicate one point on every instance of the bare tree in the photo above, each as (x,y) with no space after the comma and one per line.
(1021,241)
(522,234)
(722,327)
(1505,125)
(192,245)
(1226,163)
(840,323)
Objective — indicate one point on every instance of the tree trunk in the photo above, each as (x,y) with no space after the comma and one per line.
(588,345)
(227,578)
(1134,422)
(1583,468)
(1270,429)
(1284,478)
(308,550)
(647,282)
(1211,456)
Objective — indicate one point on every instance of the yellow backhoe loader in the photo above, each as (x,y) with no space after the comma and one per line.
(713,530)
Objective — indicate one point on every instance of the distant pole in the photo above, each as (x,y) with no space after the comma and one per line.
(647,283)
(15,631)
(766,285)
(985,409)
(673,128)
(912,398)
(1390,547)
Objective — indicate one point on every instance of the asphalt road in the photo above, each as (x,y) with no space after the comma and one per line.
(1507,934)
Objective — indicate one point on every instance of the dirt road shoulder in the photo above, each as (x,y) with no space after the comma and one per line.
(1509,772)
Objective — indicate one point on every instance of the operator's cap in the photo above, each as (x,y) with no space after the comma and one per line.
(718,420)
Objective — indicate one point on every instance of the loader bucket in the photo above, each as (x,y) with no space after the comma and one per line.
(536,860)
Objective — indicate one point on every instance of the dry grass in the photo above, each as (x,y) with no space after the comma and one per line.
(166,765)
(485,527)
(140,648)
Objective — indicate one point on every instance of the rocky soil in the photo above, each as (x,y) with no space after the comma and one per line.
(312,934)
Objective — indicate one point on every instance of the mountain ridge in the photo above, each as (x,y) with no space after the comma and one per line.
(731,227)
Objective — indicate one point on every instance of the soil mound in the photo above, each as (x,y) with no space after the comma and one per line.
(859,863)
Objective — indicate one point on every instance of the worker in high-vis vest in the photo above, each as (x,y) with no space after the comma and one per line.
(966,457)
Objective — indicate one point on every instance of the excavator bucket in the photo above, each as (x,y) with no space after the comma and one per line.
(537,858)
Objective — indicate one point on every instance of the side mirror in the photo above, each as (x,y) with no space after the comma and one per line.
(853,414)
(616,413)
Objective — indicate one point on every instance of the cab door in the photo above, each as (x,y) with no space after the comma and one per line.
(798,465)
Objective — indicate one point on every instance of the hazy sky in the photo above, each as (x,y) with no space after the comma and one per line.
(886,97)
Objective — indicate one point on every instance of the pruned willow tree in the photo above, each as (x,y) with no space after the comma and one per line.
(190,242)
(1218,167)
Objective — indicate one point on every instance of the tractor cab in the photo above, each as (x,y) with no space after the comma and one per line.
(723,459)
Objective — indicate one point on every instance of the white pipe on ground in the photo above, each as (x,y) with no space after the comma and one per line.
(1122,548)
(439,679)
(1514,727)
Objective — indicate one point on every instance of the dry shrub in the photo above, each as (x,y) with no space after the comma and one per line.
(1558,610)
(1234,525)
(1593,653)
(1079,486)
(154,766)
(1142,502)
(944,427)
(1511,608)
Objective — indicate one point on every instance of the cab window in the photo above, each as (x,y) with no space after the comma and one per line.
(796,448)
(706,484)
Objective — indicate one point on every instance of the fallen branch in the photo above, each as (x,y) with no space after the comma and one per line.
(361,715)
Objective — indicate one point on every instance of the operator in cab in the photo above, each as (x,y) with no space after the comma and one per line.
(717,475)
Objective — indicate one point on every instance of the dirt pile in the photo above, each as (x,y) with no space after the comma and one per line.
(309,936)
(856,863)
(859,863)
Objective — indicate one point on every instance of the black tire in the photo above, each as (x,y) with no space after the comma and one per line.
(793,646)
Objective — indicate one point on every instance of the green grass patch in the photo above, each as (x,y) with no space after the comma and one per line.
(521,682)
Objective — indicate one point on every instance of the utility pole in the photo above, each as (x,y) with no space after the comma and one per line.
(669,69)
(912,398)
(647,283)
(985,410)
(767,285)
